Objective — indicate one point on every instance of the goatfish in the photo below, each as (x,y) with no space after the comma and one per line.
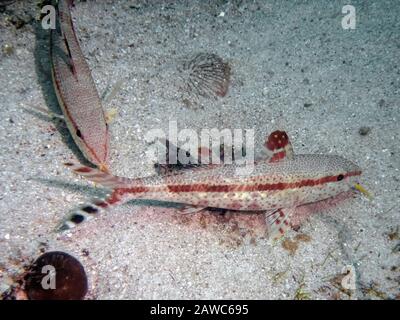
(276,186)
(76,91)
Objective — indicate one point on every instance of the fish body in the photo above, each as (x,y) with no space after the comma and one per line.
(305,179)
(276,186)
(76,91)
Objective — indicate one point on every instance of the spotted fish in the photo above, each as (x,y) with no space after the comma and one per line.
(76,91)
(276,186)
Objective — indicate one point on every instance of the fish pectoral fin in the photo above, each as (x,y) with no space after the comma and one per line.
(109,94)
(278,222)
(187,209)
(279,145)
(44,111)
(110,115)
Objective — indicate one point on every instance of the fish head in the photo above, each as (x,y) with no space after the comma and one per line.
(324,176)
(340,175)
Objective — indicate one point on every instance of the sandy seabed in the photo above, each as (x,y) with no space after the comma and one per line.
(293,68)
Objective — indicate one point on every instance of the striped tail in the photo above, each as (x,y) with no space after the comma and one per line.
(101,177)
(93,208)
(83,213)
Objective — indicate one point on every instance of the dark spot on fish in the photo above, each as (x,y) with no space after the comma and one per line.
(78,133)
(90,209)
(77,218)
(56,276)
(340,177)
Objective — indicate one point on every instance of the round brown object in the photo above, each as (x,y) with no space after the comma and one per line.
(56,276)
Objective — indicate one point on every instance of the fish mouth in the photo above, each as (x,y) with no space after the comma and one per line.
(364,191)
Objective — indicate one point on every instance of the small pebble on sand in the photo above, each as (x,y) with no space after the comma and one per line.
(363,131)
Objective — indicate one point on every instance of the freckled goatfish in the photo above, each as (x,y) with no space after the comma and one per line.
(276,186)
(76,91)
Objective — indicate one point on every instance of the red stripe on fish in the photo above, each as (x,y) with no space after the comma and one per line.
(138,189)
(203,187)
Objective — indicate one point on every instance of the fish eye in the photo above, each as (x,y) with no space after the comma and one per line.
(340,177)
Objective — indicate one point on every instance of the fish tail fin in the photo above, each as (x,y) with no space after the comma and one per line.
(97,206)
(89,210)
(101,177)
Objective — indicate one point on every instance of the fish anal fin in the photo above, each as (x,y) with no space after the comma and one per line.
(279,144)
(278,222)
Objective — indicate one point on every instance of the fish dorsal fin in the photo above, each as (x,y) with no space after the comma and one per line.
(278,222)
(179,167)
(61,46)
(279,144)
(69,60)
